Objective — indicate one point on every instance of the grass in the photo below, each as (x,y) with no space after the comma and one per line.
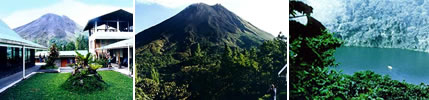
(48,86)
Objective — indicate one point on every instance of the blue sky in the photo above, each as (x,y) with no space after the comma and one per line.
(152,14)
(268,15)
(20,12)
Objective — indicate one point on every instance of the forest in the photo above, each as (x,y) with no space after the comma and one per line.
(212,72)
(64,45)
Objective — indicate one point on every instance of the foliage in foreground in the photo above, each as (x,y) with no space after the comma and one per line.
(324,83)
(85,77)
(212,72)
(311,53)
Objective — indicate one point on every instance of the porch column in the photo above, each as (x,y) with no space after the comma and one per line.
(95,27)
(23,62)
(117,26)
(128,59)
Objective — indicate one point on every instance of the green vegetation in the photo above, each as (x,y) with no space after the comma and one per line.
(201,59)
(63,45)
(211,72)
(102,60)
(53,55)
(85,77)
(81,43)
(311,53)
(48,86)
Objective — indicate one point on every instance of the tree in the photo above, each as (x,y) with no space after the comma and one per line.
(311,52)
(197,52)
(272,56)
(70,46)
(53,55)
(81,42)
(222,73)
(60,43)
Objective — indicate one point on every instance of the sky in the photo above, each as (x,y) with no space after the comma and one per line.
(268,15)
(21,12)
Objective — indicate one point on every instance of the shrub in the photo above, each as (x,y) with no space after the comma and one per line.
(84,82)
(85,77)
(102,60)
(95,66)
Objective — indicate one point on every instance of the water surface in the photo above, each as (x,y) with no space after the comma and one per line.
(408,65)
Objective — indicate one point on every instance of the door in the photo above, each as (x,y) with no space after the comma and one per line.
(63,62)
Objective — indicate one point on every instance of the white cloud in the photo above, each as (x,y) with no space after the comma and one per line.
(177,3)
(269,15)
(75,10)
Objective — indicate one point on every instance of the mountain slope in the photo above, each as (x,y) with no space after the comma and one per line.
(385,23)
(49,27)
(200,23)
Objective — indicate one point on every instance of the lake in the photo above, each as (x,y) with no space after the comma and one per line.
(408,65)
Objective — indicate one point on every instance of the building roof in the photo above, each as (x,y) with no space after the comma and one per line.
(120,44)
(112,35)
(120,15)
(11,38)
(62,53)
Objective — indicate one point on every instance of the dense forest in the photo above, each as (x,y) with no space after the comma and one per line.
(311,58)
(212,72)
(377,23)
(64,45)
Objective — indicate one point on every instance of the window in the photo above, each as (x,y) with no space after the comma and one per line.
(9,53)
(20,52)
(27,55)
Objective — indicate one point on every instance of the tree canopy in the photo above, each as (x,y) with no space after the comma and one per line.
(223,73)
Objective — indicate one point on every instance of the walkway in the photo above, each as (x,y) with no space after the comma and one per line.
(66,69)
(11,80)
(123,70)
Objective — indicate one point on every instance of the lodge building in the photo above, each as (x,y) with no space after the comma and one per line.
(65,58)
(112,35)
(16,53)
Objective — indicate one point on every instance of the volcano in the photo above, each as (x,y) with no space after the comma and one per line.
(48,27)
(204,24)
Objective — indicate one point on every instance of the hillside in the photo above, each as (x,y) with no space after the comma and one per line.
(385,23)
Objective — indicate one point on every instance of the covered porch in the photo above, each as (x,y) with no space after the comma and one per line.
(120,55)
(109,28)
(17,55)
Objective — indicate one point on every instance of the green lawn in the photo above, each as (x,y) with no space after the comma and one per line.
(48,86)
